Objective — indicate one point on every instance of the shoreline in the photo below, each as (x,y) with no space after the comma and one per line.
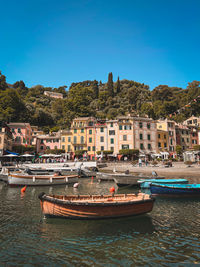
(178,170)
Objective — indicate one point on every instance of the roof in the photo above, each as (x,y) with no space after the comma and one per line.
(21,124)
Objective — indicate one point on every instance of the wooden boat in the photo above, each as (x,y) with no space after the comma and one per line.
(175,189)
(146,183)
(133,181)
(27,179)
(95,206)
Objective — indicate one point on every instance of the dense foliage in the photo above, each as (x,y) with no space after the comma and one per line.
(92,98)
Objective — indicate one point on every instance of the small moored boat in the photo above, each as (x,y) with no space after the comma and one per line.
(146,183)
(175,189)
(95,206)
(55,179)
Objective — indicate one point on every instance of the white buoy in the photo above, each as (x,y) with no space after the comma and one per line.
(76,185)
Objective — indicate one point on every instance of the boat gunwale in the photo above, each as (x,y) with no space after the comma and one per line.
(45,177)
(108,201)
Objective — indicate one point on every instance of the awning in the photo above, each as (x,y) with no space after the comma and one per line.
(13,153)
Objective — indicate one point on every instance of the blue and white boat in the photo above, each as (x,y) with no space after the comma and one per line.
(175,189)
(146,183)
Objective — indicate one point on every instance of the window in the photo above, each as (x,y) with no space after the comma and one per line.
(75,130)
(165,144)
(82,139)
(149,146)
(63,139)
(120,127)
(159,144)
(112,140)
(24,140)
(164,136)
(112,132)
(48,147)
(187,140)
(141,136)
(183,140)
(89,148)
(171,141)
(101,129)
(124,137)
(141,146)
(159,136)
(140,125)
(125,146)
(148,136)
(102,148)
(55,147)
(101,139)
(148,125)
(93,148)
(90,140)
(19,130)
(69,139)
(13,130)
(112,148)
(68,148)
(75,139)
(82,130)
(111,124)
(41,147)
(90,131)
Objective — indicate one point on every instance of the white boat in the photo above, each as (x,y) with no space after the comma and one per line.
(33,180)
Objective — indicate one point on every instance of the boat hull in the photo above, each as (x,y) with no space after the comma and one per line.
(146,184)
(34,180)
(172,190)
(94,211)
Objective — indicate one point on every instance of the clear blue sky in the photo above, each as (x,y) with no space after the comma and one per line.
(55,43)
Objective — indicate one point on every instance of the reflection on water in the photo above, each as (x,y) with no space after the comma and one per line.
(169,234)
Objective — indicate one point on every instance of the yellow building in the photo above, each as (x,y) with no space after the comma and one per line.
(162,140)
(66,137)
(169,126)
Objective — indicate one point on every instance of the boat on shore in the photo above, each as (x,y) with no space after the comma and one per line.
(34,180)
(95,206)
(146,183)
(177,190)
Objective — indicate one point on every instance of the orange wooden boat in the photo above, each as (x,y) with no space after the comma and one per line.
(95,206)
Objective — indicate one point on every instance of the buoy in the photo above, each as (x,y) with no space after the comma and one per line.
(76,185)
(92,177)
(23,189)
(112,189)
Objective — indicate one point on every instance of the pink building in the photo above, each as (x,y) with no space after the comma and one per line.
(22,133)
(49,141)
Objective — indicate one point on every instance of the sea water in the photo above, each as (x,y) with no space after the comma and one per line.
(168,236)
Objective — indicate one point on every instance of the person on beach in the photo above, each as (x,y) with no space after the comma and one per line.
(140,162)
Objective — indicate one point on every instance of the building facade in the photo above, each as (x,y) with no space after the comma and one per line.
(5,138)
(22,133)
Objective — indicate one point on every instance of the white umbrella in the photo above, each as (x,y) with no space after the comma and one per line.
(11,155)
(27,155)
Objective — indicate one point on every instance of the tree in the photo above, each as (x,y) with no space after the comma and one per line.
(179,150)
(118,86)
(3,84)
(110,84)
(130,153)
(95,88)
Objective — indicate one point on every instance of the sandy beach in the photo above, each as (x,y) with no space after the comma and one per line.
(178,170)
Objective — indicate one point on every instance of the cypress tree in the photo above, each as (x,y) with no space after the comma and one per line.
(110,84)
(118,86)
(96,89)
